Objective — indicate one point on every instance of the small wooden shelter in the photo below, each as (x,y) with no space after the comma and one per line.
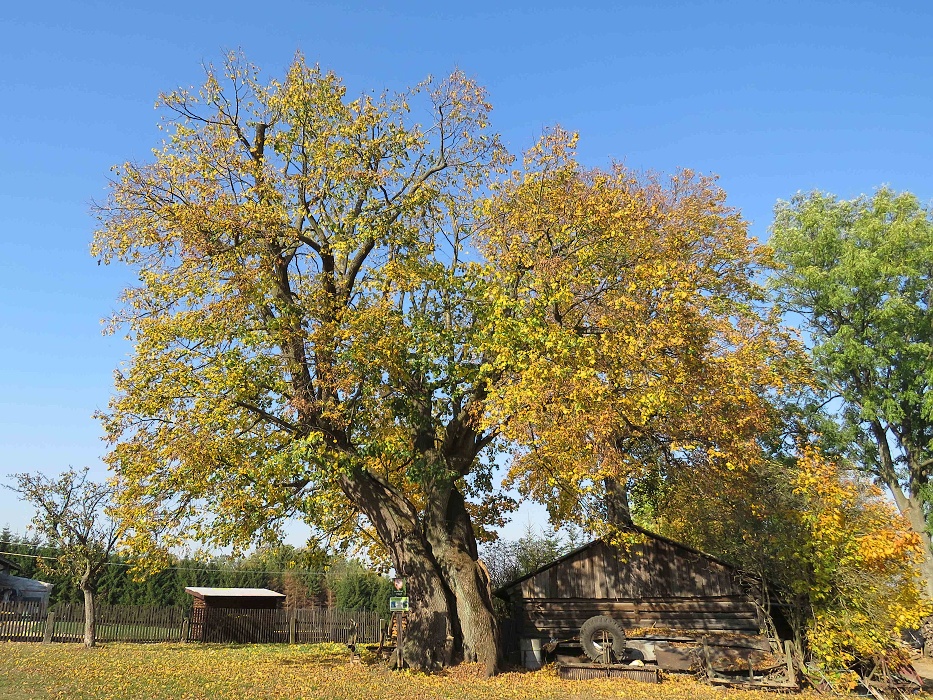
(234,614)
(244,598)
(657,583)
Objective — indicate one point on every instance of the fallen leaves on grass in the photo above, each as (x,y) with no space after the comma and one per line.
(280,672)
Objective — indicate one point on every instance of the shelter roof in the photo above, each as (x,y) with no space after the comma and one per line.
(205,592)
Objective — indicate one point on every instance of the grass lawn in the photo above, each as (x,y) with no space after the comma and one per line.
(30,671)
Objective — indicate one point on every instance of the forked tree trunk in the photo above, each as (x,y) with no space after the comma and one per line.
(432,636)
(451,617)
(450,533)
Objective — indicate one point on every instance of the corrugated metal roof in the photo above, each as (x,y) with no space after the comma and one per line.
(204,592)
(25,584)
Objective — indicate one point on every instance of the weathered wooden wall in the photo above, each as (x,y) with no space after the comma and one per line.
(655,569)
(562,618)
(244,602)
(654,584)
(270,625)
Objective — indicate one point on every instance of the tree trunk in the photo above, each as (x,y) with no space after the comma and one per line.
(907,503)
(431,639)
(618,511)
(450,533)
(451,617)
(912,509)
(90,616)
(432,636)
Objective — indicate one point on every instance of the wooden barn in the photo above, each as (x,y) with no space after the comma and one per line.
(235,615)
(658,584)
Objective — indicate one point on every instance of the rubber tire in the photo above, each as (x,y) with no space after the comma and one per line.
(592,630)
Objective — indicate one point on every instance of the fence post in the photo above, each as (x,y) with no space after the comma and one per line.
(184,629)
(49,627)
(292,625)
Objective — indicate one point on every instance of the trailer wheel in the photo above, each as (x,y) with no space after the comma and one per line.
(599,632)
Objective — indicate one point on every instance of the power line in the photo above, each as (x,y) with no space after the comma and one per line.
(186,568)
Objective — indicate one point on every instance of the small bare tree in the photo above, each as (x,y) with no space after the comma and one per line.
(72,515)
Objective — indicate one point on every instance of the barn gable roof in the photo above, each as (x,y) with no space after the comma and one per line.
(501,591)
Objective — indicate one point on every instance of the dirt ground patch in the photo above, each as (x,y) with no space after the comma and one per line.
(924,668)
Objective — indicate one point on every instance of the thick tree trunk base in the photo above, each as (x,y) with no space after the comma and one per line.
(454,546)
(451,616)
(432,634)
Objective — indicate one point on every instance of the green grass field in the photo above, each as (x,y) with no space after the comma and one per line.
(115,671)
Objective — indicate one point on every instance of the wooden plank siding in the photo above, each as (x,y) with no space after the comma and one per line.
(562,618)
(656,583)
(654,569)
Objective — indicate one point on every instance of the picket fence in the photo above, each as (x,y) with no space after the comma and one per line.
(34,622)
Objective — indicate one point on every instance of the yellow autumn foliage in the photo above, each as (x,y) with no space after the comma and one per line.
(297,252)
(628,321)
(264,672)
(866,586)
(840,561)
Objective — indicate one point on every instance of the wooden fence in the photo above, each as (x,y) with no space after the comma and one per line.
(313,625)
(120,623)
(302,626)
(32,622)
(22,621)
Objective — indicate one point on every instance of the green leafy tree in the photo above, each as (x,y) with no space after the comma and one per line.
(357,588)
(73,516)
(508,560)
(858,273)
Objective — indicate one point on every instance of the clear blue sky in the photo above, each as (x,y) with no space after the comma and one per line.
(772,97)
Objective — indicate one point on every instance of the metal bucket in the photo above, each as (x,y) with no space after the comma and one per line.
(531,653)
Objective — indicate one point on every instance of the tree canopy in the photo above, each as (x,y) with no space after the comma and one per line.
(858,273)
(74,516)
(346,307)
(636,336)
(303,327)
